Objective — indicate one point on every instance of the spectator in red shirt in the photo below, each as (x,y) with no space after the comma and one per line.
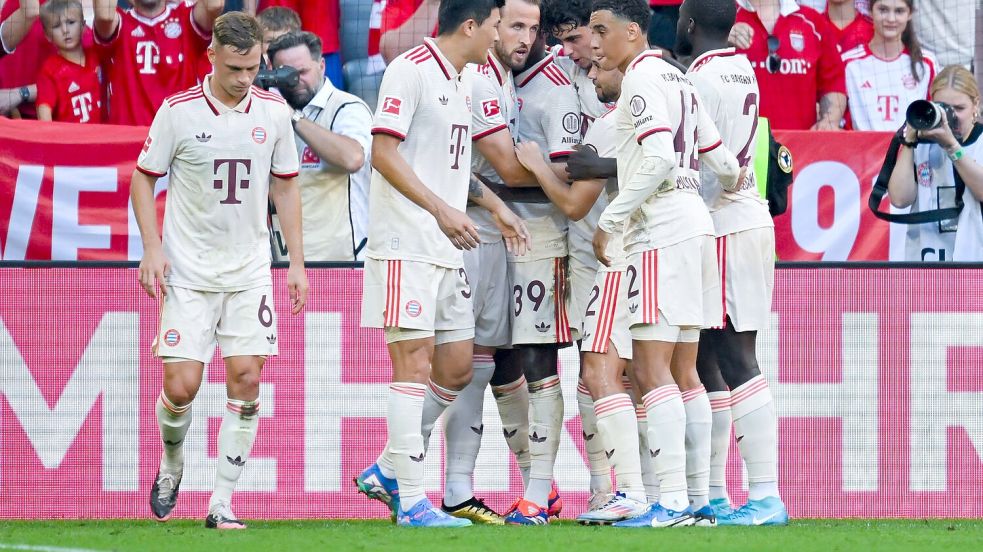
(15,27)
(376,63)
(321,17)
(19,70)
(796,61)
(70,82)
(849,27)
(404,24)
(151,50)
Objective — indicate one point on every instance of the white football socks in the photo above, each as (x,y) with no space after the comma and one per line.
(173,422)
(618,432)
(235,441)
(667,443)
(405,447)
(512,400)
(436,399)
(699,424)
(463,430)
(545,425)
(719,443)
(755,425)
(597,461)
(649,479)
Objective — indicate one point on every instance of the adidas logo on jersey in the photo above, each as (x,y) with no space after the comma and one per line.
(542,327)
(271,339)
(866,84)
(632,308)
(203,137)
(535,438)
(138,32)
(443,100)
(74,87)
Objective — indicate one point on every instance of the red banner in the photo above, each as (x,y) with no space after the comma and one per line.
(64,194)
(878,401)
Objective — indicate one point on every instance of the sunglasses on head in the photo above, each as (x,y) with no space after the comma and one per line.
(774,61)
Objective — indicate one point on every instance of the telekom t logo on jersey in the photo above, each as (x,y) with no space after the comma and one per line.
(459,134)
(148,53)
(233,174)
(82,106)
(888,105)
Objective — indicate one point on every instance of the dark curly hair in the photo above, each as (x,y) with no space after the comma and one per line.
(557,16)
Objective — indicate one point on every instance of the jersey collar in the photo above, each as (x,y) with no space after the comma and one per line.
(501,73)
(320,100)
(150,22)
(785,7)
(218,108)
(646,54)
(707,56)
(445,66)
(524,77)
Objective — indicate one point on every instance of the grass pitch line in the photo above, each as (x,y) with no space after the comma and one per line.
(38,548)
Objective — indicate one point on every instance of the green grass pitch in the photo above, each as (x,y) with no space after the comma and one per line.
(565,536)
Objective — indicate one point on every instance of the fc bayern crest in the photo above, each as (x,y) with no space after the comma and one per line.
(172,337)
(259,135)
(797,41)
(172,29)
(413,308)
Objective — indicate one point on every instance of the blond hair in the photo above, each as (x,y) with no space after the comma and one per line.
(959,79)
(52,10)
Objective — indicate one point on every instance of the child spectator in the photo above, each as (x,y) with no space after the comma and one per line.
(888,73)
(70,82)
(850,27)
(276,21)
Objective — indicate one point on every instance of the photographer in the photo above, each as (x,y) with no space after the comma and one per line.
(947,166)
(332,129)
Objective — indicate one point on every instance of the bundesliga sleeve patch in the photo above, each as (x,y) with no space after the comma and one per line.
(391,105)
(490,107)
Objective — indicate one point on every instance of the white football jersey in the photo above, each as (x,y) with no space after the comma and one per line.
(424,102)
(879,91)
(493,106)
(602,138)
(220,160)
(729,94)
(549,114)
(590,107)
(656,97)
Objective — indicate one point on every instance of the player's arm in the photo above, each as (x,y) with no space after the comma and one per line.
(105,22)
(394,42)
(206,11)
(393,167)
(499,149)
(285,194)
(585,164)
(44,112)
(514,231)
(344,153)
(154,266)
(573,200)
(15,27)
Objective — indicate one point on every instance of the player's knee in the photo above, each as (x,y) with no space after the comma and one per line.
(244,384)
(180,394)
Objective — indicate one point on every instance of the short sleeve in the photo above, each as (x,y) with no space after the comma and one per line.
(399,96)
(47,88)
(562,122)
(285,163)
(644,100)
(354,121)
(486,108)
(158,151)
(830,70)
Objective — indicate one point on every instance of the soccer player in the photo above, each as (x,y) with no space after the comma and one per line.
(415,284)
(745,252)
(567,21)
(222,142)
(494,106)
(549,115)
(607,341)
(155,48)
(70,82)
(662,135)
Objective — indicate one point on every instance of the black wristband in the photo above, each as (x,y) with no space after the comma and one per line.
(909,144)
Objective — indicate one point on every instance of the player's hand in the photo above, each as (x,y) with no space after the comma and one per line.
(941,135)
(297,285)
(583,163)
(741,36)
(529,154)
(154,268)
(458,227)
(601,239)
(514,231)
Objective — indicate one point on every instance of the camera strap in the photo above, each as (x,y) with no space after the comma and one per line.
(884,176)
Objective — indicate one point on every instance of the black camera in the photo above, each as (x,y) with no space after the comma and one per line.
(281,77)
(926,115)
